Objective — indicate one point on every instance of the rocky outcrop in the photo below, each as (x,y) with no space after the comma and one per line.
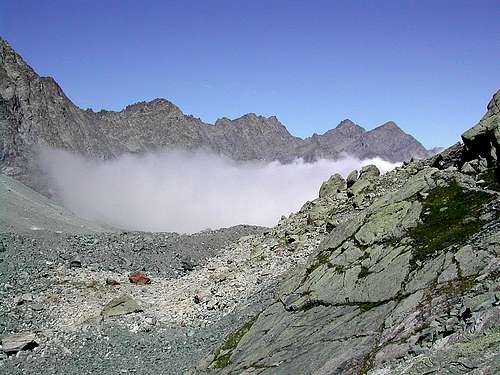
(334,185)
(35,111)
(483,140)
(405,282)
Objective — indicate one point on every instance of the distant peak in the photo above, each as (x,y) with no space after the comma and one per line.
(390,125)
(158,103)
(346,126)
(347,123)
(250,115)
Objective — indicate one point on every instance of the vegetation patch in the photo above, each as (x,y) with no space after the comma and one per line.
(308,305)
(364,272)
(322,258)
(223,355)
(366,306)
(444,222)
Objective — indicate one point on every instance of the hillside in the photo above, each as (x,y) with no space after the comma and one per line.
(25,210)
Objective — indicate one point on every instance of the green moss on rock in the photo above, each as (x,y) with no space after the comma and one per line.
(444,220)
(223,355)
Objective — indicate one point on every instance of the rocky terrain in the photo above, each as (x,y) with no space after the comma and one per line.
(391,274)
(35,111)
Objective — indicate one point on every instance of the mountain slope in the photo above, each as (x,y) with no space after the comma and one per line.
(25,210)
(35,111)
(405,283)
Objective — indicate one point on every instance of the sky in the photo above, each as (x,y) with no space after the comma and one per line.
(430,66)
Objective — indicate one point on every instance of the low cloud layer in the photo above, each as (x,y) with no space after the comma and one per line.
(187,192)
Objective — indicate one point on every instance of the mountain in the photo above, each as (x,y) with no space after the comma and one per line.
(35,111)
(381,274)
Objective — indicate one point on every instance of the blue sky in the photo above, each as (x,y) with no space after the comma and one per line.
(430,66)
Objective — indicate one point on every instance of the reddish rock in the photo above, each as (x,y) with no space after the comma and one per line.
(139,278)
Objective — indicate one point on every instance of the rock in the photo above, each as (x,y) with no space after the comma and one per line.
(139,278)
(76,262)
(369,172)
(187,264)
(467,168)
(112,282)
(483,140)
(22,341)
(364,183)
(26,297)
(120,306)
(334,185)
(352,178)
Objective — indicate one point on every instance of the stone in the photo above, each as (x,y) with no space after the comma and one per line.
(187,264)
(76,262)
(352,178)
(483,140)
(139,278)
(334,185)
(26,297)
(468,168)
(112,282)
(369,171)
(12,344)
(120,306)
(471,261)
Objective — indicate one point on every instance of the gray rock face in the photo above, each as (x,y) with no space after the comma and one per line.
(35,111)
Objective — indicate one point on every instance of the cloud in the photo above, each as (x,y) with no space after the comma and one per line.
(181,191)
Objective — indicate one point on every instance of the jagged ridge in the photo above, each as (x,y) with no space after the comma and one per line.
(34,110)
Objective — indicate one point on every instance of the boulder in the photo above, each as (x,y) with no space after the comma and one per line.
(467,168)
(364,183)
(484,138)
(334,185)
(139,278)
(369,172)
(352,178)
(22,341)
(120,306)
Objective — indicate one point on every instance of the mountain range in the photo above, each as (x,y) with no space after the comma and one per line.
(34,110)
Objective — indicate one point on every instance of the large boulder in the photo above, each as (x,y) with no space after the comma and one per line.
(364,183)
(120,306)
(334,185)
(483,140)
(21,341)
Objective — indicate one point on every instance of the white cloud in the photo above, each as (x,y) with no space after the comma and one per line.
(187,192)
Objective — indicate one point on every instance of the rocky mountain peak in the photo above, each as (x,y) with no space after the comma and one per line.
(346,123)
(158,104)
(389,126)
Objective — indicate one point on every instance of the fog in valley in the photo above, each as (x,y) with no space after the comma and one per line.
(187,191)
